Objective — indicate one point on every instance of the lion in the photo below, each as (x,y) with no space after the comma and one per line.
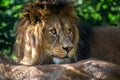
(102,43)
(47,33)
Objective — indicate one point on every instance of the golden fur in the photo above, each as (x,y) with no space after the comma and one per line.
(47,33)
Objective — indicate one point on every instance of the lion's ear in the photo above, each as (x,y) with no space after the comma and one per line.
(37,14)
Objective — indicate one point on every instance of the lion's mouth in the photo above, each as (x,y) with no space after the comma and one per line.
(60,57)
(61,60)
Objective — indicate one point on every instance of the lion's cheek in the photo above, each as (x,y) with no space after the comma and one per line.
(59,53)
(71,53)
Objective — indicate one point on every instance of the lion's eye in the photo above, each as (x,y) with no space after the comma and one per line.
(53,31)
(69,31)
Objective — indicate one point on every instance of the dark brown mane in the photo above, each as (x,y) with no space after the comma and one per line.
(42,9)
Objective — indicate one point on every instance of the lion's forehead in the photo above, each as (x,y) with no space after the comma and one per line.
(59,23)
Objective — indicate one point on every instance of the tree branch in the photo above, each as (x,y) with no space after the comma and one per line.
(90,69)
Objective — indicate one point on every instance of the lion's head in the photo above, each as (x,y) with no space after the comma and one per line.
(47,33)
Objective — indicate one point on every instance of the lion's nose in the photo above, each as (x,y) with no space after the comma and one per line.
(67,48)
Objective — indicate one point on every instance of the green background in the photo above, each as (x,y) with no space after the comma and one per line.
(90,12)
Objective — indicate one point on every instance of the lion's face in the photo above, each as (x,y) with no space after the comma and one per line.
(58,39)
(47,33)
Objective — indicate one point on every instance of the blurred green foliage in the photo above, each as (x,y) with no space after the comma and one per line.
(98,12)
(9,13)
(91,12)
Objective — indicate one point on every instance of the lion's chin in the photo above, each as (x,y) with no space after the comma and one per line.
(61,61)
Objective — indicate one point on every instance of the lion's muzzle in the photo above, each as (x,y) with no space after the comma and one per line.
(67,48)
